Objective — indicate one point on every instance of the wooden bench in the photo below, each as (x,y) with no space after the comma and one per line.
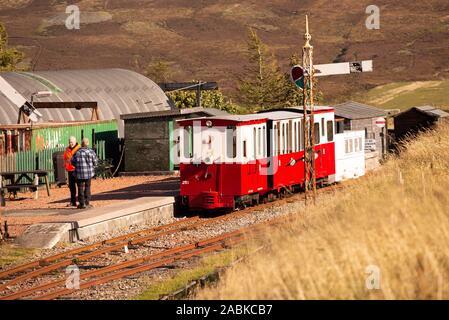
(9,182)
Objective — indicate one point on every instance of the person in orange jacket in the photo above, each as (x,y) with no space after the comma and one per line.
(68,154)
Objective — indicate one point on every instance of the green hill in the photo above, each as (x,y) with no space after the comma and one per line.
(403,95)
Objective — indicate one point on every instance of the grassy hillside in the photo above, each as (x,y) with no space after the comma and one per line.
(396,220)
(206,39)
(403,95)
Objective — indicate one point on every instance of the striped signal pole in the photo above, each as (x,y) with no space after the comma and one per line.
(303,77)
(309,116)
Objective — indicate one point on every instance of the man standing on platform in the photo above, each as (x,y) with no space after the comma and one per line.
(85,161)
(68,154)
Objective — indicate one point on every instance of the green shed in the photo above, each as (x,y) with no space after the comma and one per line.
(150,141)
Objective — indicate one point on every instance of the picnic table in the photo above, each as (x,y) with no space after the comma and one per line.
(11,182)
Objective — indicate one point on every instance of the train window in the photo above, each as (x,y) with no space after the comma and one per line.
(295,137)
(361,144)
(283,138)
(231,142)
(275,140)
(346,146)
(322,127)
(278,139)
(263,142)
(316,132)
(301,137)
(330,131)
(188,142)
(289,137)
(244,148)
(356,145)
(351,146)
(255,142)
(259,142)
(339,126)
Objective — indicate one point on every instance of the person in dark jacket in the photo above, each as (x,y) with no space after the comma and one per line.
(85,160)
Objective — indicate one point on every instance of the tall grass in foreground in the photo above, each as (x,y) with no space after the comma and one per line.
(396,219)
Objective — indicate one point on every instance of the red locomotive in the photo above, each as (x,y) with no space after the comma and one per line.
(239,160)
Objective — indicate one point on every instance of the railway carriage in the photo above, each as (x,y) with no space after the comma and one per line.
(238,160)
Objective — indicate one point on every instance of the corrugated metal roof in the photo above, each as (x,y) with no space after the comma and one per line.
(432,111)
(117,92)
(174,113)
(355,110)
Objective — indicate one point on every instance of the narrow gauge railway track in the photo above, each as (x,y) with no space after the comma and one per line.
(52,263)
(142,264)
(47,265)
(46,261)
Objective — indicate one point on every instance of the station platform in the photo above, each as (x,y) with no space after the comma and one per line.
(94,221)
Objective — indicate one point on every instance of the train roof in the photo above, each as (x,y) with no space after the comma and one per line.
(278,114)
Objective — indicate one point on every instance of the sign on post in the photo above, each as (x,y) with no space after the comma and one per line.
(343,68)
(380,122)
(297,76)
(370,144)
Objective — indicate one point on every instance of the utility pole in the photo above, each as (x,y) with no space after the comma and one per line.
(309,116)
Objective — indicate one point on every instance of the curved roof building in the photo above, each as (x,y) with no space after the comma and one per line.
(115,91)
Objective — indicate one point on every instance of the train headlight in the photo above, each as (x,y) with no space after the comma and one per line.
(208,123)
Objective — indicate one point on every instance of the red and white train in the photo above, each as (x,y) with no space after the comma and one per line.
(238,160)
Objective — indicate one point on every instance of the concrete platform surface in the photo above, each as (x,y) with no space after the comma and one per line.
(85,223)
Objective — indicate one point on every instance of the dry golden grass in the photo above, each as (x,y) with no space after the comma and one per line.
(396,219)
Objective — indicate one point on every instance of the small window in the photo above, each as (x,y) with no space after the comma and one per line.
(316,131)
(244,148)
(339,126)
(278,140)
(330,131)
(231,142)
(360,144)
(289,138)
(322,127)
(255,142)
(356,145)
(264,139)
(275,143)
(346,146)
(351,146)
(259,142)
(283,139)
(301,137)
(296,137)
(188,142)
